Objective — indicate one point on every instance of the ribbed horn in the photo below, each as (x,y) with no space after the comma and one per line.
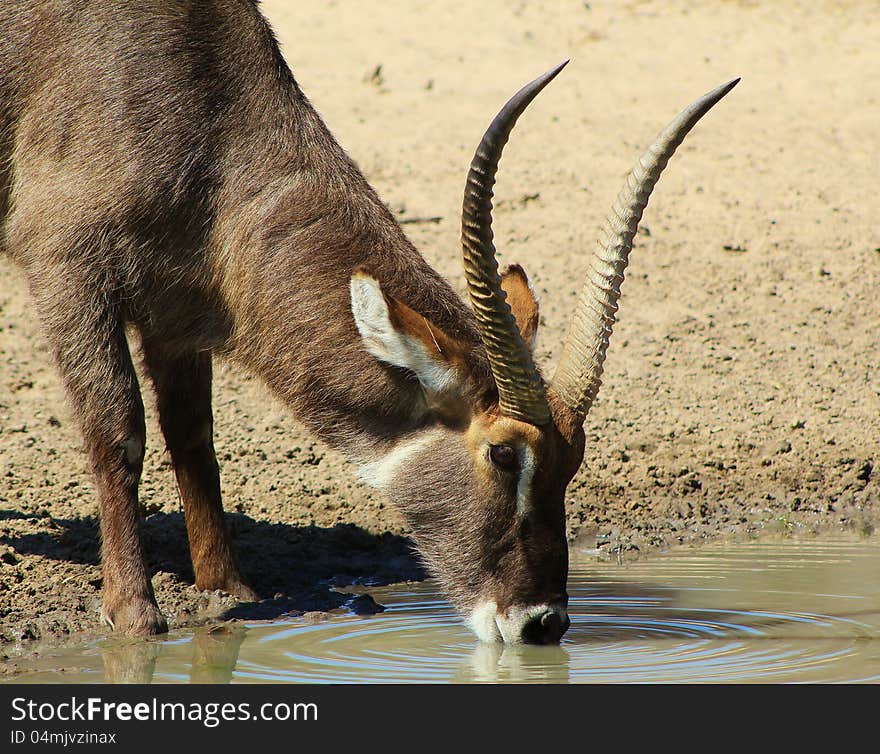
(578,375)
(521,393)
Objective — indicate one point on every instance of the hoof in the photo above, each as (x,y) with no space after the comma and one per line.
(233,585)
(243,592)
(134,617)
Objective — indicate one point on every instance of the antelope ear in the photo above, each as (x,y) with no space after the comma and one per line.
(397,335)
(523,302)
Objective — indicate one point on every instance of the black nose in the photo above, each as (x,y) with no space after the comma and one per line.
(546,628)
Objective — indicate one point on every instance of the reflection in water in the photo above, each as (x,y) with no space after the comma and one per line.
(787,611)
(497,663)
(130,660)
(213,656)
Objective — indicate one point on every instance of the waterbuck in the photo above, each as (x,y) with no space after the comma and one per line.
(161,172)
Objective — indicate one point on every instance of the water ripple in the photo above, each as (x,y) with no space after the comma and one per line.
(652,622)
(756,612)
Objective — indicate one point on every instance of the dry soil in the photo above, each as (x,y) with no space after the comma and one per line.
(742,390)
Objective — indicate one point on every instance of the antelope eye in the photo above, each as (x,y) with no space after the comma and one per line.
(504,456)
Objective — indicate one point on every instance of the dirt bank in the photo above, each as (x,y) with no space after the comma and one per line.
(742,391)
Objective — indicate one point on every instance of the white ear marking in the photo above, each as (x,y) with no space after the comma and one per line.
(384,341)
(370,312)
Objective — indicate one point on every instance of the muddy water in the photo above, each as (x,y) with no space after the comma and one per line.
(784,611)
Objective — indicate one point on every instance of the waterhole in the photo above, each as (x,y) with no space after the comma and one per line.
(784,611)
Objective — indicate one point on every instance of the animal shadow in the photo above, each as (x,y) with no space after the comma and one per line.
(293,568)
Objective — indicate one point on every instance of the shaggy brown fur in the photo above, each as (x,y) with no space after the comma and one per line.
(161,169)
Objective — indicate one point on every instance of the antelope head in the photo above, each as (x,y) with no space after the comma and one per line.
(481,481)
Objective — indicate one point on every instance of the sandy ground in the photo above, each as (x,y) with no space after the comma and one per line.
(742,391)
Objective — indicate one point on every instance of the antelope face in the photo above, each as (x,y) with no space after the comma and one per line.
(486,508)
(481,477)
(504,558)
(483,492)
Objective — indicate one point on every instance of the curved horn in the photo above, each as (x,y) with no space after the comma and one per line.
(521,392)
(578,375)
